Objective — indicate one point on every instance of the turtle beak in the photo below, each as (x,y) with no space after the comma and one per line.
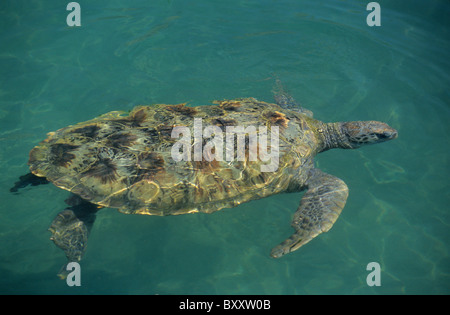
(390,134)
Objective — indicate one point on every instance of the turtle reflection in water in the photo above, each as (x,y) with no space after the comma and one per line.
(124,161)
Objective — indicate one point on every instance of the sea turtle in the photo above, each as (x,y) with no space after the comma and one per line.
(126,161)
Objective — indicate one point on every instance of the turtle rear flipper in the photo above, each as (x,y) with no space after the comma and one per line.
(28,179)
(70,230)
(319,209)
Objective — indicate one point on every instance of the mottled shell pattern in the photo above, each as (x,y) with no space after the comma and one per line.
(123,160)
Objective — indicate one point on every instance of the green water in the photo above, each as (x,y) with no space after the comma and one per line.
(127,53)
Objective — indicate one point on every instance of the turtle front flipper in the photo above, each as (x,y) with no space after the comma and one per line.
(319,209)
(285,100)
(70,229)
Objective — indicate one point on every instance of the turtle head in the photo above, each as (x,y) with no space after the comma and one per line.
(358,133)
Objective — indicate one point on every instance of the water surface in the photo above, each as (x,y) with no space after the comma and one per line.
(128,53)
